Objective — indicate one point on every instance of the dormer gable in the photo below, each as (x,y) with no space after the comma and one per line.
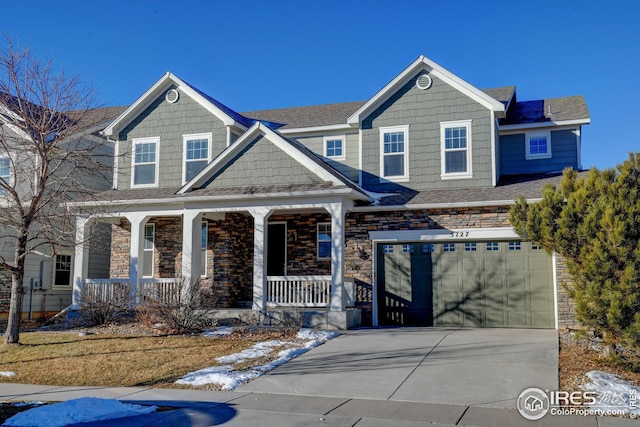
(179,88)
(423,64)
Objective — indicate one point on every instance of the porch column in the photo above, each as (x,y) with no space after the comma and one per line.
(260,218)
(191,246)
(81,259)
(136,248)
(337,211)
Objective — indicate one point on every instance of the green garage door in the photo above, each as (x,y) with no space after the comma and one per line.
(486,284)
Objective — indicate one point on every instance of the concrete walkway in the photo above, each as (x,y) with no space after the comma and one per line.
(367,378)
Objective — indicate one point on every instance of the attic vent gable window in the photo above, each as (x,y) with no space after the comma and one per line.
(145,162)
(197,154)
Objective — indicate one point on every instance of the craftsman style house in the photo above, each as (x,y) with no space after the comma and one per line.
(395,207)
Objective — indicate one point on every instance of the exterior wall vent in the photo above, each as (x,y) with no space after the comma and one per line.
(172,96)
(424,82)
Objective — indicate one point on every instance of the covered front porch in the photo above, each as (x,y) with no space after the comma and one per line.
(276,256)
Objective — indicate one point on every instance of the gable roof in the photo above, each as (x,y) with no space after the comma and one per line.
(228,116)
(423,63)
(297,151)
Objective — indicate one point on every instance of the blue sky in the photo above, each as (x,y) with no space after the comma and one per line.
(269,54)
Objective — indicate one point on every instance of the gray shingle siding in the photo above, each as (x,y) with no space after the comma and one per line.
(564,152)
(169,122)
(349,166)
(423,111)
(262,163)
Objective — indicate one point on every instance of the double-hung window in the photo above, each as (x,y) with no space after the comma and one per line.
(145,162)
(394,153)
(538,145)
(334,147)
(62,273)
(197,154)
(324,240)
(455,139)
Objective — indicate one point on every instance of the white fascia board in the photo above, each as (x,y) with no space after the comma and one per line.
(318,129)
(427,206)
(263,199)
(538,125)
(154,91)
(424,63)
(445,234)
(140,104)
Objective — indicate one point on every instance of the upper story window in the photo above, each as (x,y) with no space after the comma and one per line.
(145,162)
(538,145)
(455,139)
(394,153)
(334,147)
(197,154)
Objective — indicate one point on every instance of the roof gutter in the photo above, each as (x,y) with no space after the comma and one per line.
(428,206)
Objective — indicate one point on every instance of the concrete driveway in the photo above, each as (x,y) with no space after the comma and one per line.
(475,367)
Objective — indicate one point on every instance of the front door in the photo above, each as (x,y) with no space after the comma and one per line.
(277,249)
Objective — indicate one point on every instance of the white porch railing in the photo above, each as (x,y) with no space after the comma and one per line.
(281,291)
(164,290)
(107,290)
(298,291)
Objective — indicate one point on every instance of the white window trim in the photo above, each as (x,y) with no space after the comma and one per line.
(318,240)
(208,136)
(53,276)
(527,138)
(333,138)
(152,250)
(395,178)
(205,225)
(456,175)
(134,142)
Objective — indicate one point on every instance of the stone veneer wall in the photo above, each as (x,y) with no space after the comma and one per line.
(230,259)
(230,249)
(229,255)
(120,243)
(302,252)
(566,311)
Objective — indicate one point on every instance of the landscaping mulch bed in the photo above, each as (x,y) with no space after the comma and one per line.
(580,354)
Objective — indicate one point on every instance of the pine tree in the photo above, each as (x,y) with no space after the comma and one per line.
(594,223)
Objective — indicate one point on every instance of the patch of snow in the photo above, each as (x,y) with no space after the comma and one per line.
(84,410)
(222,330)
(7,374)
(256,351)
(613,393)
(313,334)
(229,379)
(377,196)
